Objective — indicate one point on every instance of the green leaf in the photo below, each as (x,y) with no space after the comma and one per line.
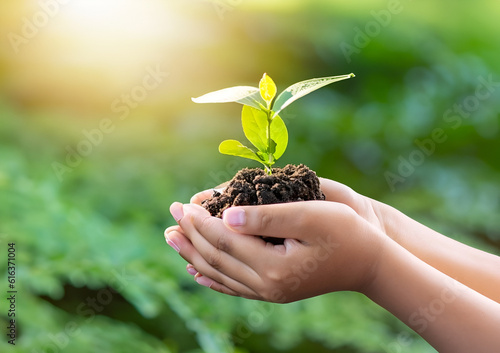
(254,123)
(300,89)
(236,148)
(272,148)
(240,94)
(279,134)
(267,88)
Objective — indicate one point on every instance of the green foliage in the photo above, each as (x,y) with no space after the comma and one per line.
(262,125)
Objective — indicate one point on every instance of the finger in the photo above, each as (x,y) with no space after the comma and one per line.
(205,194)
(176,238)
(338,192)
(175,241)
(176,211)
(210,235)
(197,263)
(199,278)
(212,261)
(287,220)
(191,270)
(172,228)
(207,282)
(202,196)
(216,286)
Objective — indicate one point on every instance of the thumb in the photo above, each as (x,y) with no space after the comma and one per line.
(285,220)
(338,192)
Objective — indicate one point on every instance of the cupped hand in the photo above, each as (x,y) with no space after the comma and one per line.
(328,247)
(372,211)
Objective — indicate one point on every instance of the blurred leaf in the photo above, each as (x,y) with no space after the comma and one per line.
(239,94)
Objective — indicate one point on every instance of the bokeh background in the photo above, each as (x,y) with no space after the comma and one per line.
(99,136)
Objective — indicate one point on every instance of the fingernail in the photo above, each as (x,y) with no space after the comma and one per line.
(176,211)
(172,244)
(234,216)
(191,270)
(204,281)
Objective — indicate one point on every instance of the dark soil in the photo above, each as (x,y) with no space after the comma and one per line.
(255,187)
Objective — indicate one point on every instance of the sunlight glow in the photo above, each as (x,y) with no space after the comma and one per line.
(114,33)
(91,49)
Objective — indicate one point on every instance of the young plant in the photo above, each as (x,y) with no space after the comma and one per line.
(260,118)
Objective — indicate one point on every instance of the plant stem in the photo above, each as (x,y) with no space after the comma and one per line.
(269,141)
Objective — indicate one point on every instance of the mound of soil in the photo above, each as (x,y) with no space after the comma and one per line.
(255,187)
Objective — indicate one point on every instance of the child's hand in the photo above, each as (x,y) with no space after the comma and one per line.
(344,243)
(328,247)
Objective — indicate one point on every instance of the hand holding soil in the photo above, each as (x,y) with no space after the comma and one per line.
(347,242)
(251,267)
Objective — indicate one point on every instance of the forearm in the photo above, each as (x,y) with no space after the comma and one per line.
(474,268)
(449,315)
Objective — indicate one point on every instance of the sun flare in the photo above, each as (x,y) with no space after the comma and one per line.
(89,48)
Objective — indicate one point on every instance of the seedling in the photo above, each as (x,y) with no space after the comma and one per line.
(260,118)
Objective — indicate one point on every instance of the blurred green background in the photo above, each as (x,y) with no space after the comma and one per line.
(99,136)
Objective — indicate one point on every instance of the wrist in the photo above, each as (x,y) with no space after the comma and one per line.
(376,273)
(386,262)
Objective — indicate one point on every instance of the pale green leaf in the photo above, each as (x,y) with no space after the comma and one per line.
(240,94)
(254,123)
(267,88)
(300,89)
(236,148)
(279,134)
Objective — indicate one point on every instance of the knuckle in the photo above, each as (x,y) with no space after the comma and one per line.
(348,213)
(206,223)
(275,284)
(224,243)
(273,276)
(214,259)
(265,220)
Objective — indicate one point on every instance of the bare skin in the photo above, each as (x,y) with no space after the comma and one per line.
(447,292)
